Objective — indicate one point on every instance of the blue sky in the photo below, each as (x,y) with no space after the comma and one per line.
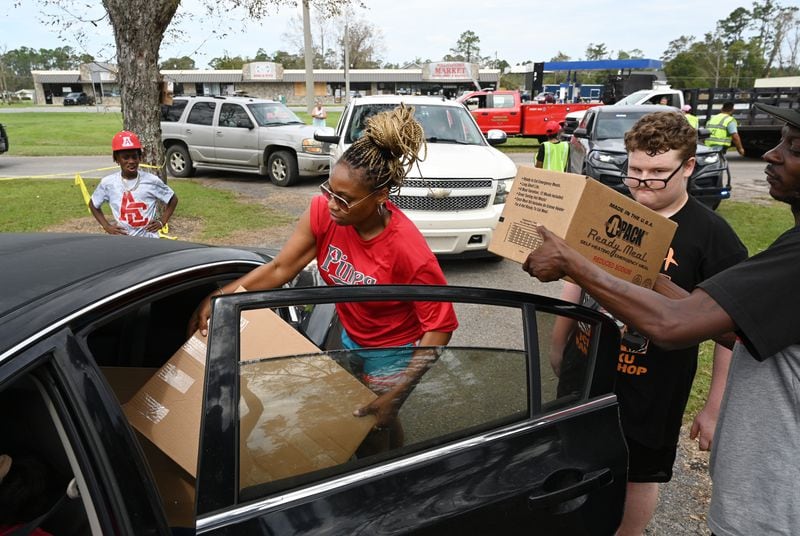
(513,30)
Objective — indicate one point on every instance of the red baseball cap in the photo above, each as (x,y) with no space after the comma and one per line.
(125,140)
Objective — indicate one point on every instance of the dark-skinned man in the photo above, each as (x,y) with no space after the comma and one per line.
(754,458)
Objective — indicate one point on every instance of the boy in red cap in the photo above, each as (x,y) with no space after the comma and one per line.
(131,193)
(553,154)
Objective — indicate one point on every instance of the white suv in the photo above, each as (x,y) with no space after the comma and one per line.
(457,193)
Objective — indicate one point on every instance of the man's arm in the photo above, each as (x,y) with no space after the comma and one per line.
(705,422)
(668,322)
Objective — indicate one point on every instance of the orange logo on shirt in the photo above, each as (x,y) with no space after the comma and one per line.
(670,259)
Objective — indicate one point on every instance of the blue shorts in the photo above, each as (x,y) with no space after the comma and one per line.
(382,368)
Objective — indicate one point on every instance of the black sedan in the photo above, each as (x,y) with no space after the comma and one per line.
(87,322)
(597,150)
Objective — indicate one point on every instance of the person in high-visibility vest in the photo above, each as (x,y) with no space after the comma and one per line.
(553,154)
(692,119)
(724,129)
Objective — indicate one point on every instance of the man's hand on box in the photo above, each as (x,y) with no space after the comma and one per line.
(548,261)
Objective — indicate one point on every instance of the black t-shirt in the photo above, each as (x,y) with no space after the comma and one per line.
(653,384)
(761,295)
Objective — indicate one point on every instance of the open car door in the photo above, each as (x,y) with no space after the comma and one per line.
(492,440)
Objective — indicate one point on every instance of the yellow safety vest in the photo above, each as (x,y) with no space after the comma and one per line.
(555,156)
(692,119)
(718,125)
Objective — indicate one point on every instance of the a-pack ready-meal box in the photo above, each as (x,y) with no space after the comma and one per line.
(613,231)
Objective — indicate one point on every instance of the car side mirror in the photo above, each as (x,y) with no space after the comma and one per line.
(580,133)
(244,123)
(703,133)
(496,137)
(326,135)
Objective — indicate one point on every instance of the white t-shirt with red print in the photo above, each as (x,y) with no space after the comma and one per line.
(132,204)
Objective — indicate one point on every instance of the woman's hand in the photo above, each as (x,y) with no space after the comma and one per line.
(384,408)
(199,319)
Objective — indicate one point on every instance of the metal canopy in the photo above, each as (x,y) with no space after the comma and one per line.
(602,65)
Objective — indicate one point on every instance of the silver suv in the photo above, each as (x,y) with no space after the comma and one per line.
(240,134)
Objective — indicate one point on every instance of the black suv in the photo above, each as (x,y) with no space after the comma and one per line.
(76,98)
(597,149)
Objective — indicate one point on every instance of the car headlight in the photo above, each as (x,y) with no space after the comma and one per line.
(503,188)
(609,158)
(712,158)
(310,145)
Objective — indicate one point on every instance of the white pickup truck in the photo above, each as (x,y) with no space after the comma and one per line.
(659,94)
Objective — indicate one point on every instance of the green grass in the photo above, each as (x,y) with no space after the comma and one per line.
(61,133)
(519,145)
(219,212)
(757,226)
(74,133)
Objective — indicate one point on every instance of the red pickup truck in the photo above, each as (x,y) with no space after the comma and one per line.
(505,110)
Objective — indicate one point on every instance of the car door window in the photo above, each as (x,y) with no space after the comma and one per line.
(294,423)
(233,115)
(202,113)
(42,461)
(172,113)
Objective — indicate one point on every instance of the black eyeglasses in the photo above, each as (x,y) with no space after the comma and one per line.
(343,204)
(653,184)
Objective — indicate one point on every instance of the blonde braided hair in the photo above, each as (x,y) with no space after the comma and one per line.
(388,148)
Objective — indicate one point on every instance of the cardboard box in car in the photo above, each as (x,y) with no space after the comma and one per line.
(614,232)
(176,486)
(314,418)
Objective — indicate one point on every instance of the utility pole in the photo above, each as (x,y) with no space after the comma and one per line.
(346,61)
(309,54)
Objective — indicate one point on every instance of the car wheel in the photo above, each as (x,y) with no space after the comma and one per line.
(179,163)
(282,168)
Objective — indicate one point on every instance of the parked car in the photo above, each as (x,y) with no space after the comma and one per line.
(240,134)
(76,98)
(490,448)
(597,149)
(456,195)
(3,139)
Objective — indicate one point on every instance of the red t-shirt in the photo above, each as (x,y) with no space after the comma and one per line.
(397,256)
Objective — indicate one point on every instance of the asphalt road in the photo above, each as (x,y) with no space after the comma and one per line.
(747,174)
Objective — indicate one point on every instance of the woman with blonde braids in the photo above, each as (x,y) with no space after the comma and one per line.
(360,238)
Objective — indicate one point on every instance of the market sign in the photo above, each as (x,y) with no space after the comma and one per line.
(262,70)
(449,70)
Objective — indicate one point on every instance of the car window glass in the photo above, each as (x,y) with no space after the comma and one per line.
(296,410)
(233,115)
(503,101)
(173,112)
(359,120)
(202,113)
(42,457)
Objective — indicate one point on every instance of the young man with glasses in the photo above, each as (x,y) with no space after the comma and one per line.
(653,383)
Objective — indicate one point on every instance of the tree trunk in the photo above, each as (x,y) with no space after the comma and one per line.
(139,27)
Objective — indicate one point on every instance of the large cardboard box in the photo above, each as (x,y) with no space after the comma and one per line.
(614,232)
(176,486)
(310,417)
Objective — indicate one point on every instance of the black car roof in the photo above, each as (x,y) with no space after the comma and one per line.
(48,277)
(37,265)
